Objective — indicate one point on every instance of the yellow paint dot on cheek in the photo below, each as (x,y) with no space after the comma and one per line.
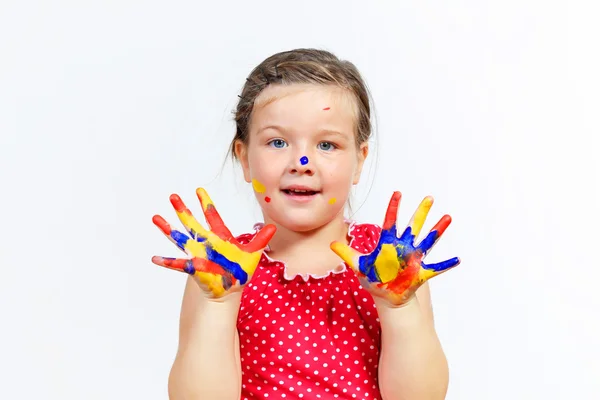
(259,187)
(332,200)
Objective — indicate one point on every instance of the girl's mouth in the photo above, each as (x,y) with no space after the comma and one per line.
(299,192)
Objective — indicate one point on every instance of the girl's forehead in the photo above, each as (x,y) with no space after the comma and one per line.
(305,103)
(302,91)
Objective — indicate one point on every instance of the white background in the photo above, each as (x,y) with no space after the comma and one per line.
(108,107)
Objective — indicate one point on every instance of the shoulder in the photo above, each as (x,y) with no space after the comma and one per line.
(247,237)
(363,236)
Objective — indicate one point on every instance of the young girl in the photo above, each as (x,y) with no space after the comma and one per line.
(276,314)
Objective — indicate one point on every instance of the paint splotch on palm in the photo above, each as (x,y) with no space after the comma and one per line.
(395,269)
(218,261)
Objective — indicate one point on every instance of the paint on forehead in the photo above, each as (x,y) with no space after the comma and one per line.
(332,200)
(304,160)
(326,108)
(258,187)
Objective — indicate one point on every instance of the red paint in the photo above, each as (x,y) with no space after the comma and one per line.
(268,199)
(178,204)
(392,211)
(162,224)
(203,265)
(215,222)
(326,108)
(441,226)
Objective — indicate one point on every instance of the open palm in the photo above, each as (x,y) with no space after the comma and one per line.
(219,263)
(395,269)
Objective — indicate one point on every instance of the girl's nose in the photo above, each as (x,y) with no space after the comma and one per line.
(301,165)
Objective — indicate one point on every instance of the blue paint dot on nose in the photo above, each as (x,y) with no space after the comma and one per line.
(304,160)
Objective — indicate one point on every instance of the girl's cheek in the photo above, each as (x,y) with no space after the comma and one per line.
(258,186)
(260,189)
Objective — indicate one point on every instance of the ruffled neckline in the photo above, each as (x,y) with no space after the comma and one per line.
(337,272)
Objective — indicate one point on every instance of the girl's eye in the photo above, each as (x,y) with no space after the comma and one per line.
(326,146)
(278,143)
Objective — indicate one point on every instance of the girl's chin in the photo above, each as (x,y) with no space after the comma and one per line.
(303,222)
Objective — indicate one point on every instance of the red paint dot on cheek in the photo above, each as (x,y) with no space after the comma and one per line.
(267,199)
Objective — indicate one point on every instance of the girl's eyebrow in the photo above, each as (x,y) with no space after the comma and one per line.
(276,127)
(282,129)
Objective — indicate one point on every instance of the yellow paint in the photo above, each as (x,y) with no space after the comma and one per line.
(332,200)
(191,223)
(205,200)
(387,264)
(418,219)
(214,282)
(258,187)
(346,253)
(195,249)
(426,274)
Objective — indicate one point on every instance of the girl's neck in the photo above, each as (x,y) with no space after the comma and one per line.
(288,242)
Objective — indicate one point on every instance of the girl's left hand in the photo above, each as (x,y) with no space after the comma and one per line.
(394,270)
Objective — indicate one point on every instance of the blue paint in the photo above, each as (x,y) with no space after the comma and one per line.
(441,266)
(196,236)
(407,235)
(366,264)
(304,160)
(226,281)
(232,267)
(179,238)
(388,236)
(427,243)
(189,267)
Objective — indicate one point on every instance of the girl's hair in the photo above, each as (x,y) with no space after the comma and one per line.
(303,66)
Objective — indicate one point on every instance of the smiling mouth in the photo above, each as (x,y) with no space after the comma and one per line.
(299,192)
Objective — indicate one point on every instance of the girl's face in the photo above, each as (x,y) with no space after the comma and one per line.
(302,158)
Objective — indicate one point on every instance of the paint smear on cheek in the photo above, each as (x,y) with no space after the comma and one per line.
(267,199)
(332,200)
(258,187)
(326,108)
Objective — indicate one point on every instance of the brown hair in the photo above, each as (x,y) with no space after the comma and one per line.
(303,66)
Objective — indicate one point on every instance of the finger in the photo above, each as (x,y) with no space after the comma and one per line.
(418,219)
(262,238)
(215,223)
(346,253)
(187,219)
(428,271)
(180,239)
(177,264)
(212,276)
(434,235)
(391,215)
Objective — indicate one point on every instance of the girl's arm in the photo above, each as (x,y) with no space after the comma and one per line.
(412,364)
(207,365)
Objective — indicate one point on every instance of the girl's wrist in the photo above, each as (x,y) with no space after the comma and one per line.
(224,310)
(406,315)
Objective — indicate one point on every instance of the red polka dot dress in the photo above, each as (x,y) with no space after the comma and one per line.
(309,337)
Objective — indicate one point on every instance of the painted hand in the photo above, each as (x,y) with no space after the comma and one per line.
(219,263)
(394,270)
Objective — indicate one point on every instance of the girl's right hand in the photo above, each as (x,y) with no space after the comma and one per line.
(219,263)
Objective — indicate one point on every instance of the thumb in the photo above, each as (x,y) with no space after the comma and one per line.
(262,238)
(346,253)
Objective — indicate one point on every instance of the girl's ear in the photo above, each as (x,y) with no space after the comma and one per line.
(241,152)
(363,152)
